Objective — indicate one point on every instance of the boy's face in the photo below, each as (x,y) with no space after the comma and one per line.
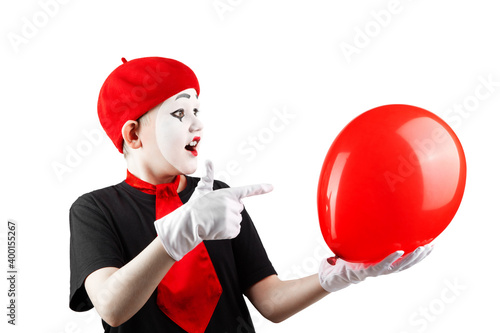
(178,130)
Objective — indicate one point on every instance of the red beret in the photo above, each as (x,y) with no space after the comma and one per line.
(135,87)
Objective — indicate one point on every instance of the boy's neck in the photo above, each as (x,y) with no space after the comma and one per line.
(152,178)
(148,173)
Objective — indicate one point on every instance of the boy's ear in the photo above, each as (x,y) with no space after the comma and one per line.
(130,134)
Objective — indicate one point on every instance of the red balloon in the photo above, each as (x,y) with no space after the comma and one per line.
(393,179)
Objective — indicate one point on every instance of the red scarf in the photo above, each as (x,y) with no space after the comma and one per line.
(189,292)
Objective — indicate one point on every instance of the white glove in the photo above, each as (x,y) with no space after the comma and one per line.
(337,274)
(208,215)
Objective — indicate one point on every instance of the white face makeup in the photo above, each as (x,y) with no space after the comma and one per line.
(179,131)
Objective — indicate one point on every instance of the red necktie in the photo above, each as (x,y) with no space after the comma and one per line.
(189,292)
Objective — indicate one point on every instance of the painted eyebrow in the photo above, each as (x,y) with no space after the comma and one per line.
(183,95)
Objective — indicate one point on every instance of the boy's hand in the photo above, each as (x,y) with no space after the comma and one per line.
(337,275)
(206,183)
(208,215)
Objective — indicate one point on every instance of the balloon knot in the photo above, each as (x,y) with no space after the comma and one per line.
(332,260)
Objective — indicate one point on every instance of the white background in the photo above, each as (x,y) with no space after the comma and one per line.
(255,59)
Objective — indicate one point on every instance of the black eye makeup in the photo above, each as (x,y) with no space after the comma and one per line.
(179,114)
(196,111)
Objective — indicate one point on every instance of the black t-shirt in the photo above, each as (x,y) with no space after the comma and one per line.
(110,226)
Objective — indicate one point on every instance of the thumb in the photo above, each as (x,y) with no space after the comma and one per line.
(250,190)
(206,183)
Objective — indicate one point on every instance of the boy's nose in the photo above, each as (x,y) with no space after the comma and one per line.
(196,125)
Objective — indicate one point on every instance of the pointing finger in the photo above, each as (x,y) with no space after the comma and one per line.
(250,190)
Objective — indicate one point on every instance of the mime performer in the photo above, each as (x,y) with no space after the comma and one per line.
(163,251)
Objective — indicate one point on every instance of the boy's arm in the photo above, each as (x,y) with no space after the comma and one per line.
(117,294)
(277,300)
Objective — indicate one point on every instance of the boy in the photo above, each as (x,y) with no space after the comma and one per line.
(166,252)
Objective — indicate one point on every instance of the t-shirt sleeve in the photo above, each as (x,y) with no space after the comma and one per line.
(94,244)
(252,262)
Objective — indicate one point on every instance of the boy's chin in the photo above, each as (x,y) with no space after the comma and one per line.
(189,172)
(189,169)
